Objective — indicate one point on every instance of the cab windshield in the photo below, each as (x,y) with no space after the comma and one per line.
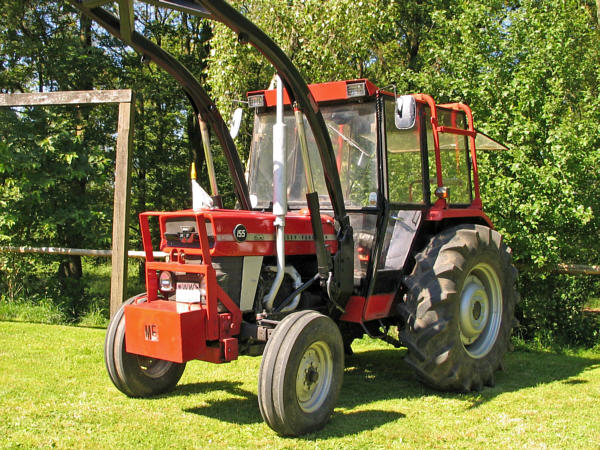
(353,131)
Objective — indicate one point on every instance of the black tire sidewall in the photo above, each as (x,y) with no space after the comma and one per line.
(433,335)
(130,377)
(268,365)
(109,342)
(323,329)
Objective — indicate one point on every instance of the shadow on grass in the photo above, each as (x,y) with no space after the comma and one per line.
(387,376)
(242,409)
(344,423)
(381,375)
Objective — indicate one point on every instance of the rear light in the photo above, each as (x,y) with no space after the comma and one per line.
(356,89)
(256,101)
(363,254)
(166,281)
(442,192)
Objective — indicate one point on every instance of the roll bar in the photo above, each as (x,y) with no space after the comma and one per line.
(221,11)
(201,102)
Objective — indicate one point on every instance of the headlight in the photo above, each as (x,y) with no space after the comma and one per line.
(165,281)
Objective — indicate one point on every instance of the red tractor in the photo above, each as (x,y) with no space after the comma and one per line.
(359,214)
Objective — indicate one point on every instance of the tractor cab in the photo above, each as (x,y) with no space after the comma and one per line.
(402,162)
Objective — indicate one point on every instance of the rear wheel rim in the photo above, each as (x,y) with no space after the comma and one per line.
(314,377)
(480,311)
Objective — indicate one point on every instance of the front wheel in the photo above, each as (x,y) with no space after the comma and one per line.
(301,373)
(136,375)
(460,306)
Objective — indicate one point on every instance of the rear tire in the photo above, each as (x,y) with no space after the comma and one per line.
(460,307)
(136,375)
(301,373)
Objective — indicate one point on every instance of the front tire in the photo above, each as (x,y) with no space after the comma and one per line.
(136,375)
(301,373)
(460,306)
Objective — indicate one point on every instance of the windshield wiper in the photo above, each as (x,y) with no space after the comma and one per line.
(348,140)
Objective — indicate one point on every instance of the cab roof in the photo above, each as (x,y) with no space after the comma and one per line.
(323,92)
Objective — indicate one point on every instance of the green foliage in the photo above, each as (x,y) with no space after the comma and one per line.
(529,69)
(30,290)
(530,73)
(56,163)
(551,312)
(45,311)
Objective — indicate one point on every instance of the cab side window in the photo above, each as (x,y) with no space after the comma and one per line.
(405,181)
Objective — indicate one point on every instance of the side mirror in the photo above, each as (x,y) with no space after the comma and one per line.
(236,121)
(406,112)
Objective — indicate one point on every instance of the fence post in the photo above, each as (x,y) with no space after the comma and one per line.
(120,237)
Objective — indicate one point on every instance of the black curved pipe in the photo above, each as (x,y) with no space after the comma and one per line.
(297,90)
(201,102)
(340,283)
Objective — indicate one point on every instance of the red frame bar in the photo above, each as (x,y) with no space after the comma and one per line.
(454,130)
(467,110)
(214,292)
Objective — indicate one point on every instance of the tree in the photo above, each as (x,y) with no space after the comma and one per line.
(529,71)
(527,68)
(56,163)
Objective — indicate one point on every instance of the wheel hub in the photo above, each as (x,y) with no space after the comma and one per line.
(480,310)
(314,376)
(474,310)
(152,367)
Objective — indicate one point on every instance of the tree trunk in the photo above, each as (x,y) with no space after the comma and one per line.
(71,268)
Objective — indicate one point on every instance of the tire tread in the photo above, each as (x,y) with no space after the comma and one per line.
(431,335)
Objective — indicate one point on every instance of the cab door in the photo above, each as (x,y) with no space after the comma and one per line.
(405,187)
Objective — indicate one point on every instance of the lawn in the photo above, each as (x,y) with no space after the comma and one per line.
(54,391)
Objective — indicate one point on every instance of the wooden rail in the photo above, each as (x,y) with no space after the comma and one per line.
(578,269)
(66,98)
(77,252)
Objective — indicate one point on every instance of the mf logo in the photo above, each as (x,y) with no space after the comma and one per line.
(240,233)
(151,332)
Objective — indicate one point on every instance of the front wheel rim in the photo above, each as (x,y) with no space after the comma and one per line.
(153,367)
(314,377)
(480,311)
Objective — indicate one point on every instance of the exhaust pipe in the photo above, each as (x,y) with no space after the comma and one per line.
(279,195)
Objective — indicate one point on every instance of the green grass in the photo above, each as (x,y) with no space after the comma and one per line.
(97,276)
(54,391)
(96,282)
(24,311)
